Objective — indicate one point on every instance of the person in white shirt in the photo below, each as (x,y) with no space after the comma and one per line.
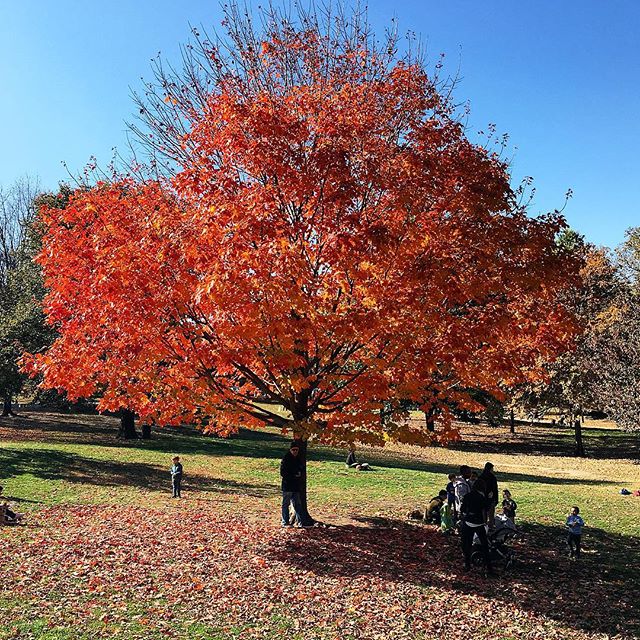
(461,486)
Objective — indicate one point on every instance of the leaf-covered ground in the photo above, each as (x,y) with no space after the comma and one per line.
(185,570)
(106,553)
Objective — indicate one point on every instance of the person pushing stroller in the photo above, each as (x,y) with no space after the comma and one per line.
(473,516)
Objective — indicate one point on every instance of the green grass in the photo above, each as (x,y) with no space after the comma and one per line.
(99,469)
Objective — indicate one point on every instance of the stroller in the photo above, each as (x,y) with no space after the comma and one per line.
(499,550)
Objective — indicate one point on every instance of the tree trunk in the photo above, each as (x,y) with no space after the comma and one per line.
(302,445)
(146,432)
(512,422)
(127,425)
(577,425)
(430,419)
(6,409)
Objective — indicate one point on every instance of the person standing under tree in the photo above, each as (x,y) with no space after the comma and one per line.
(491,484)
(575,524)
(176,476)
(291,473)
(473,514)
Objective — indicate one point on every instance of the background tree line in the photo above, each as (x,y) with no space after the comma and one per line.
(601,374)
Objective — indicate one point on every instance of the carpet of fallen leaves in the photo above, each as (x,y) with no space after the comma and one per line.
(116,568)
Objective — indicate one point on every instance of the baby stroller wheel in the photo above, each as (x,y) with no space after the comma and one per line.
(477,559)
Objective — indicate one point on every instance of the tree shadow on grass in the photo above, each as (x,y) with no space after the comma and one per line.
(99,430)
(393,462)
(51,464)
(94,430)
(592,594)
(550,440)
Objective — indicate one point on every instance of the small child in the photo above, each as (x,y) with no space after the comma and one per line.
(575,524)
(446,519)
(433,513)
(509,505)
(176,476)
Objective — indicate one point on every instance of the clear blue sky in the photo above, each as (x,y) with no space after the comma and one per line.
(562,78)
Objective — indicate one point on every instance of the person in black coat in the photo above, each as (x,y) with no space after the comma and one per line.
(473,515)
(491,484)
(291,470)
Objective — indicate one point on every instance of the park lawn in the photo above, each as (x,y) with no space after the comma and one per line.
(107,553)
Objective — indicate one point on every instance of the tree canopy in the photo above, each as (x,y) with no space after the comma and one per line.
(324,241)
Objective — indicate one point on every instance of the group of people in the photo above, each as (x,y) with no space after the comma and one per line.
(445,509)
(469,504)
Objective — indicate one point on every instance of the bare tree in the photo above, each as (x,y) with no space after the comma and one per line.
(17,211)
(21,319)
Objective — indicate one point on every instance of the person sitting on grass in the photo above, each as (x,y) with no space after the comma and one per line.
(509,505)
(8,515)
(352,461)
(575,525)
(433,513)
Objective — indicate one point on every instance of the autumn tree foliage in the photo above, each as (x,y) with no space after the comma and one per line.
(616,344)
(317,238)
(601,372)
(573,383)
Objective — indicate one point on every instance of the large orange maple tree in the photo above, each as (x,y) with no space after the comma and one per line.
(327,243)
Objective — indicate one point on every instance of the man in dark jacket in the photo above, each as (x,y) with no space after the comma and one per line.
(291,473)
(491,484)
(473,515)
